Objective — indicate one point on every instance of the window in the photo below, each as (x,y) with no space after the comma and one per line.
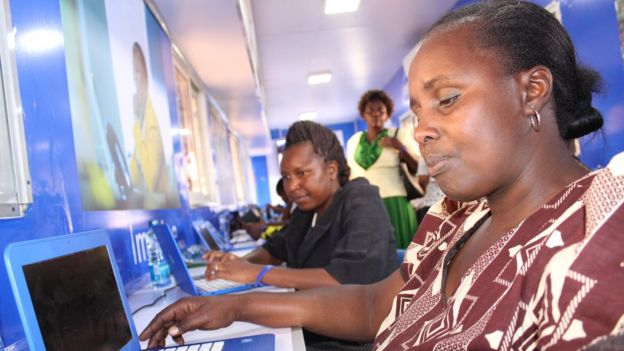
(223,159)
(15,188)
(241,162)
(197,171)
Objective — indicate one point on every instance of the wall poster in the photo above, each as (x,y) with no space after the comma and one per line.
(119,72)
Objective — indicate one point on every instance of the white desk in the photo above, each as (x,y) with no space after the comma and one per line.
(286,339)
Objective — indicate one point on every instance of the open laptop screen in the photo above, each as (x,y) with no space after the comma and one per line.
(210,240)
(77,303)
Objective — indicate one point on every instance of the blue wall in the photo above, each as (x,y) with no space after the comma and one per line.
(347,129)
(56,207)
(261,174)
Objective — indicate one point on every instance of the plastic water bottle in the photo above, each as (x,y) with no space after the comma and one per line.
(224,226)
(160,274)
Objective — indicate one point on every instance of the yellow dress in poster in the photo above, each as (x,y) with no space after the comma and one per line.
(147,165)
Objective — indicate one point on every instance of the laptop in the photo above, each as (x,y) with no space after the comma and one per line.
(70,296)
(199,286)
(213,240)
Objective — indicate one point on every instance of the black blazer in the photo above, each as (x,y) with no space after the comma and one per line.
(353,239)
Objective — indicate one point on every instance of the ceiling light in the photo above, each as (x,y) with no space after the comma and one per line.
(319,78)
(181,131)
(341,6)
(305,116)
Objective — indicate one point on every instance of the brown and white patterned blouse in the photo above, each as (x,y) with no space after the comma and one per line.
(556,281)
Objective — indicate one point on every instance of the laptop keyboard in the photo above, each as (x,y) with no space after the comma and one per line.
(217,284)
(261,342)
(207,346)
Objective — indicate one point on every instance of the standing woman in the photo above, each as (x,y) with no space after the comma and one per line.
(376,153)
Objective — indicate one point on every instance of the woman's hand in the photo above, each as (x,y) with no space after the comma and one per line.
(187,314)
(390,142)
(238,270)
(218,256)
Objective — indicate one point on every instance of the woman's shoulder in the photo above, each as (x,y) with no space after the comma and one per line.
(616,165)
(352,142)
(359,186)
(604,198)
(355,136)
(358,191)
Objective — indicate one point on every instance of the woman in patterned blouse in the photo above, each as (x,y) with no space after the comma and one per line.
(526,252)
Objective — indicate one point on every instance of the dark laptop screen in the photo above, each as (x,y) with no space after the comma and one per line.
(77,302)
(212,243)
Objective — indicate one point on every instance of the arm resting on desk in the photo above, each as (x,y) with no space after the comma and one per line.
(300,279)
(352,312)
(261,256)
(246,269)
(241,270)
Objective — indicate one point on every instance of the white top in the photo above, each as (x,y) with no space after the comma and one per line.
(433,193)
(384,173)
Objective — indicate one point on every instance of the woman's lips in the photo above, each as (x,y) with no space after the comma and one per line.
(300,199)
(436,164)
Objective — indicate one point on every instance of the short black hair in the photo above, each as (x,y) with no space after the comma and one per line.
(375,95)
(279,188)
(525,35)
(324,142)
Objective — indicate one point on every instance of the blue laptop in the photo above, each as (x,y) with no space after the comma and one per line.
(70,296)
(199,286)
(213,240)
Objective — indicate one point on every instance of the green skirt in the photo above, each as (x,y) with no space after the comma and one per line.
(402,218)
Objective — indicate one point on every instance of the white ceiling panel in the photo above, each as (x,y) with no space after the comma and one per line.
(363,50)
(294,38)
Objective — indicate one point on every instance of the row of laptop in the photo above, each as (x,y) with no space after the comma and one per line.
(70,295)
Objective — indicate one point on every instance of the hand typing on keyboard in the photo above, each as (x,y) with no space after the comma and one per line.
(230,267)
(191,313)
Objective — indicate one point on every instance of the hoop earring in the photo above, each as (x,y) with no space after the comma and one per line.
(536,120)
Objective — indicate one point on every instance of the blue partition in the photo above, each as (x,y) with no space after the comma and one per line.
(59,200)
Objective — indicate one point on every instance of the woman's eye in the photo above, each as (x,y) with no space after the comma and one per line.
(449,101)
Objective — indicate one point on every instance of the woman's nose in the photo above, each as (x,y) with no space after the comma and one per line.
(424,131)
(291,185)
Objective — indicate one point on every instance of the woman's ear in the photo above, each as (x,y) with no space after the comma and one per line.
(537,84)
(332,169)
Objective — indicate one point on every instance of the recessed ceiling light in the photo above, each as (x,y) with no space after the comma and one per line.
(306,116)
(180,131)
(341,6)
(319,78)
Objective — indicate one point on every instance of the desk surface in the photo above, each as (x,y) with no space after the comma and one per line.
(286,339)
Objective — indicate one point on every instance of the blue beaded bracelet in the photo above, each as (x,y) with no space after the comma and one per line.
(262,273)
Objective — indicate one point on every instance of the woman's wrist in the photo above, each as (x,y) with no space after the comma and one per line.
(262,274)
(237,304)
